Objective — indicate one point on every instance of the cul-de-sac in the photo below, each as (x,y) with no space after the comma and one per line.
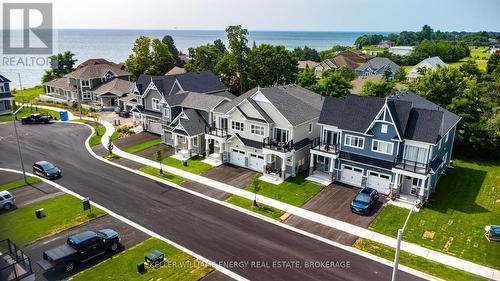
(233,140)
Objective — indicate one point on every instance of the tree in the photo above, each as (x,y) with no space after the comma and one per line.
(110,147)
(306,53)
(159,157)
(169,41)
(332,52)
(227,71)
(493,63)
(95,118)
(256,188)
(236,36)
(381,88)
(470,68)
(219,45)
(347,73)
(140,59)
(161,58)
(425,33)
(60,65)
(307,78)
(270,65)
(151,57)
(388,73)
(400,75)
(203,58)
(332,83)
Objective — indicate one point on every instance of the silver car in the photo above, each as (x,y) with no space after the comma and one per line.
(6,200)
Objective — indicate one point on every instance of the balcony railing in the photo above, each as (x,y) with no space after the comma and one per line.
(14,264)
(214,131)
(317,144)
(410,165)
(277,145)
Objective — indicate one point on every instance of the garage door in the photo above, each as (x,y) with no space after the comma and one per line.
(378,181)
(351,175)
(154,127)
(256,162)
(237,157)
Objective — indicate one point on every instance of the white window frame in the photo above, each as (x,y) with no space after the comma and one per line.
(86,95)
(348,136)
(384,128)
(2,88)
(155,105)
(391,145)
(256,128)
(233,127)
(166,112)
(85,83)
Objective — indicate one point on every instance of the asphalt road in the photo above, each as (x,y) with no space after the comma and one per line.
(246,245)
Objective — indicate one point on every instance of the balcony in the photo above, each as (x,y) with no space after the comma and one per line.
(14,264)
(411,166)
(318,144)
(277,145)
(214,131)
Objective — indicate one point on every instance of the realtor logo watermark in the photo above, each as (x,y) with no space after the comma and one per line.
(27,35)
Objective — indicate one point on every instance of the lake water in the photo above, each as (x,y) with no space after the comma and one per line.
(115,45)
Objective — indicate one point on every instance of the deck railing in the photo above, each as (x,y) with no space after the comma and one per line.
(410,165)
(18,264)
(277,145)
(320,145)
(214,131)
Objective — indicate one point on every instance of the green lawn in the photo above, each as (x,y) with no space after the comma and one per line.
(122,266)
(166,176)
(96,137)
(25,111)
(142,146)
(63,212)
(265,210)
(19,183)
(295,191)
(27,95)
(467,199)
(430,267)
(194,165)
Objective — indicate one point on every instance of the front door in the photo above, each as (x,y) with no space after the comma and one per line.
(406,185)
(223,123)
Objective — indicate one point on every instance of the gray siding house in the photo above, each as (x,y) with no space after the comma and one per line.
(377,66)
(399,145)
(6,99)
(179,108)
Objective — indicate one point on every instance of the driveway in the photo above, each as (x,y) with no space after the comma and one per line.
(334,201)
(134,139)
(129,237)
(149,153)
(34,193)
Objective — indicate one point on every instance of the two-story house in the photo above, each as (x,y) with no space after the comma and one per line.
(267,130)
(377,66)
(178,108)
(401,144)
(6,99)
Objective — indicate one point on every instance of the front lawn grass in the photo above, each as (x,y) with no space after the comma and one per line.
(467,199)
(422,264)
(63,212)
(294,191)
(96,137)
(27,110)
(142,146)
(194,165)
(27,95)
(19,183)
(178,266)
(265,210)
(166,176)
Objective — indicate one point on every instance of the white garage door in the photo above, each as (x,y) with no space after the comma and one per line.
(378,181)
(256,162)
(154,127)
(237,157)
(351,175)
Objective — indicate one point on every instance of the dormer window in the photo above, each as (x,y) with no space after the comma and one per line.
(109,76)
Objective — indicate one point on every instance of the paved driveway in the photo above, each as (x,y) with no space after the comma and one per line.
(134,139)
(334,201)
(129,237)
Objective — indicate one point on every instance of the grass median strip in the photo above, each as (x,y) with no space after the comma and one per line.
(422,264)
(194,165)
(142,146)
(19,183)
(262,209)
(96,137)
(63,212)
(166,176)
(178,266)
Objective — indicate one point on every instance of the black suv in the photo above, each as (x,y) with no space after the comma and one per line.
(36,119)
(46,170)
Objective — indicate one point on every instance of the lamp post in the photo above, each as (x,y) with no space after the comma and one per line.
(18,144)
(398,244)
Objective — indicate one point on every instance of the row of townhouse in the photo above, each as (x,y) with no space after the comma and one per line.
(400,145)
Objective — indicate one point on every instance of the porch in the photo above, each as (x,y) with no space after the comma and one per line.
(185,146)
(321,167)
(409,189)
(277,167)
(5,107)
(215,145)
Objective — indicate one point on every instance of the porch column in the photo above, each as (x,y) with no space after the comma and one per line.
(330,168)
(311,164)
(396,183)
(293,165)
(190,145)
(207,147)
(421,189)
(265,164)
(283,168)
(174,136)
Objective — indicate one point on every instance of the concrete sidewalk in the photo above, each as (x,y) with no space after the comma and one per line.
(315,217)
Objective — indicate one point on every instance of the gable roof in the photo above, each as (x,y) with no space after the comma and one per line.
(338,62)
(195,124)
(3,79)
(101,61)
(378,63)
(358,57)
(434,62)
(60,83)
(195,100)
(176,70)
(303,64)
(116,86)
(96,71)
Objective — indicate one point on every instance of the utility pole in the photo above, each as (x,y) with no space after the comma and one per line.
(18,143)
(20,86)
(398,245)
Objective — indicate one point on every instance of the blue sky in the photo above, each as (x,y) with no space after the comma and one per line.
(313,15)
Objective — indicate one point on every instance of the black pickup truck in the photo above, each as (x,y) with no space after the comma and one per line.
(80,248)
(36,119)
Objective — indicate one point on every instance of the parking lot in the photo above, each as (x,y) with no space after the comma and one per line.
(334,201)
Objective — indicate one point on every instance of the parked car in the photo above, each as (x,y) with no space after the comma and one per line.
(79,248)
(6,200)
(46,170)
(364,201)
(36,119)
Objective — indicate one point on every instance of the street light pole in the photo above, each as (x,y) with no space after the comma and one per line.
(398,244)
(18,143)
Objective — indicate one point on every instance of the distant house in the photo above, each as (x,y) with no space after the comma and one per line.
(359,82)
(88,62)
(401,50)
(357,57)
(334,64)
(377,66)
(385,44)
(6,98)
(303,64)
(426,64)
(176,70)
